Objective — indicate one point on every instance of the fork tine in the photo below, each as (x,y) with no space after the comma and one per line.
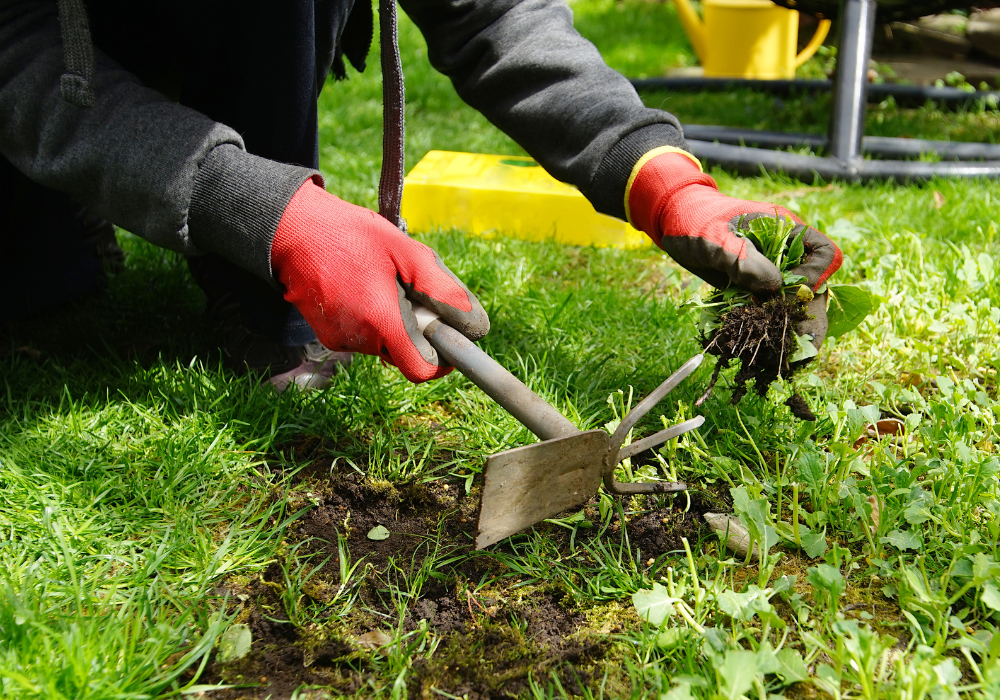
(644,406)
(662,436)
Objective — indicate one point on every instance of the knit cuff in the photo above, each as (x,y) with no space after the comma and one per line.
(645,159)
(607,191)
(237,203)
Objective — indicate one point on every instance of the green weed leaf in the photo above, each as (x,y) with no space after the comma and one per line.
(902,540)
(826,577)
(796,249)
(948,674)
(670,638)
(844,230)
(828,674)
(986,266)
(849,305)
(805,350)
(717,639)
(785,583)
(767,660)
(809,466)
(682,691)
(655,605)
(916,584)
(991,597)
(792,669)
(738,672)
(740,606)
(378,533)
(814,544)
(755,514)
(234,643)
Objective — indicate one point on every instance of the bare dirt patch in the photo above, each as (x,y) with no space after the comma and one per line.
(492,636)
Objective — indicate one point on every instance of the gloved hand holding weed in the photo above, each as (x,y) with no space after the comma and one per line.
(769,268)
(681,209)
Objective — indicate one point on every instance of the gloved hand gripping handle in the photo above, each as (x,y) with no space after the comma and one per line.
(500,385)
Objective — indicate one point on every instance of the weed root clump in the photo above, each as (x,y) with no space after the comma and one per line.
(762,337)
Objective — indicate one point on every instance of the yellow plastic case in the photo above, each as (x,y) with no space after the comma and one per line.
(513,195)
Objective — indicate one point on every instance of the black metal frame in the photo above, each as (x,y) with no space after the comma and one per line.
(845,143)
(908,95)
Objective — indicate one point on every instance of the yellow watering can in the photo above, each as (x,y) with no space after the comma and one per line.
(747,38)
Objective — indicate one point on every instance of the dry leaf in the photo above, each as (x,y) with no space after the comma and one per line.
(737,537)
(939,200)
(882,428)
(373,639)
(875,512)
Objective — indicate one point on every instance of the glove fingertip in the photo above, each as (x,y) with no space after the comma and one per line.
(412,364)
(452,300)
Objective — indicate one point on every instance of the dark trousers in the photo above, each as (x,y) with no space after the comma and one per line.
(44,258)
(250,64)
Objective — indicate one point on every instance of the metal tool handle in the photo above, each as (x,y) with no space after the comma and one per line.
(500,385)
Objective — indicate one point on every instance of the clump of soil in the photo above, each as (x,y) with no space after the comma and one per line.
(761,337)
(799,408)
(663,530)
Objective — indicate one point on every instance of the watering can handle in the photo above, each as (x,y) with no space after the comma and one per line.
(818,37)
(500,385)
(694,27)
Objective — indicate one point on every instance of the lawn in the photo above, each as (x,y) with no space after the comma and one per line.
(159,512)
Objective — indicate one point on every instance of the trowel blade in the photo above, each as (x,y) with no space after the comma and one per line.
(528,484)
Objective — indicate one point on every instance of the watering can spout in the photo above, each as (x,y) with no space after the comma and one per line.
(693,27)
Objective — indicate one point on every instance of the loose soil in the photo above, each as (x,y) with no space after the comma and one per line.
(493,636)
(761,337)
(799,408)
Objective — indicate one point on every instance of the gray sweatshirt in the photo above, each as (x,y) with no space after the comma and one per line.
(186,183)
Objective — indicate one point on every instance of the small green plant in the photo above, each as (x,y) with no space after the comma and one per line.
(296,574)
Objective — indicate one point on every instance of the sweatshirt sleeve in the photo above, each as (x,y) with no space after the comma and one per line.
(133,157)
(523,65)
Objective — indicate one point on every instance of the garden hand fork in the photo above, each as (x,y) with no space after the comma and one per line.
(526,485)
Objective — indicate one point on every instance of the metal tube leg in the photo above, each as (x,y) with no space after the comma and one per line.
(850,89)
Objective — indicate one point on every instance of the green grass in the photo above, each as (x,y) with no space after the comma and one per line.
(138,476)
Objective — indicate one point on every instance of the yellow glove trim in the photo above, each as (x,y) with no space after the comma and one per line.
(645,159)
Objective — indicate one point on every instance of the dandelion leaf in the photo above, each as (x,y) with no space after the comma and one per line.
(849,305)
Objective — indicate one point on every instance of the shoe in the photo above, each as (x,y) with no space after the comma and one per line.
(308,367)
(100,237)
(315,371)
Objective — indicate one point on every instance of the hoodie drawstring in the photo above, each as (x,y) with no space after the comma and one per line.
(390,186)
(78,54)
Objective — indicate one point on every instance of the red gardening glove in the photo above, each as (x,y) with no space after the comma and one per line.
(352,275)
(682,210)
